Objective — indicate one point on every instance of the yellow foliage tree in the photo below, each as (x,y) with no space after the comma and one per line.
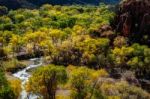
(15,85)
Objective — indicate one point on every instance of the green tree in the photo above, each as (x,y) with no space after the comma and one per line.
(3,10)
(5,90)
(84,82)
(120,55)
(45,80)
(15,44)
(15,85)
(79,82)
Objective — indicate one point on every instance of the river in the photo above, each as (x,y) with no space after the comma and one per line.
(23,75)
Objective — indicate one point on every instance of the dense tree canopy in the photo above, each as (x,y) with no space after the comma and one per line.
(83,48)
(78,35)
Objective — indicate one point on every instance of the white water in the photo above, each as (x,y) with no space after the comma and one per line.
(23,75)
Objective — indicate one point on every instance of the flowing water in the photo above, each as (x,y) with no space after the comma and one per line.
(23,75)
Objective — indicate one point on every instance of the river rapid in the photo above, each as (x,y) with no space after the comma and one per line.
(23,75)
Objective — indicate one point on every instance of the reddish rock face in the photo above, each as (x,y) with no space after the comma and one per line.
(133,20)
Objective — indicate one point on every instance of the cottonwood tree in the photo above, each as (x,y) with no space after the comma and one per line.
(84,82)
(45,79)
(5,90)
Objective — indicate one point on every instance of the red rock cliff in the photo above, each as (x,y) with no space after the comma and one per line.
(133,20)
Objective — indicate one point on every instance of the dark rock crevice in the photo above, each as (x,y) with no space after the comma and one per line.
(133,20)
